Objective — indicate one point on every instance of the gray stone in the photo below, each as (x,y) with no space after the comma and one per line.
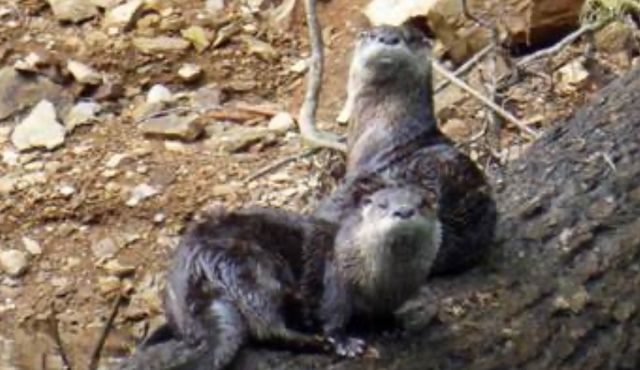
(281,122)
(73,10)
(173,127)
(124,15)
(39,130)
(104,248)
(32,246)
(160,44)
(83,113)
(14,262)
(159,94)
(140,193)
(83,73)
(190,72)
(19,91)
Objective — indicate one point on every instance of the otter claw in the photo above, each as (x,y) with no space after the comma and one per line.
(348,347)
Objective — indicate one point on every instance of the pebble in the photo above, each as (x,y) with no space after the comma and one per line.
(115,160)
(83,73)
(83,113)
(32,246)
(159,44)
(40,129)
(300,66)
(198,37)
(73,10)
(67,190)
(140,193)
(104,248)
(281,122)
(159,94)
(114,267)
(190,72)
(14,262)
(123,16)
(172,126)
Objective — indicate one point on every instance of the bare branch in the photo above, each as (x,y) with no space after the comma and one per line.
(306,120)
(95,354)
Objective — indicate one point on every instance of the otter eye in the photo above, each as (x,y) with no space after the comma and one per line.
(383,205)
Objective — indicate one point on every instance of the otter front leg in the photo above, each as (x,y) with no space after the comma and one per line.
(335,312)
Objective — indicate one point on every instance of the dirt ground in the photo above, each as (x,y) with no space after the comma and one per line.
(74,279)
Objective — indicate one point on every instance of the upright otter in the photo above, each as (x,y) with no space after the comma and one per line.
(393,134)
(241,275)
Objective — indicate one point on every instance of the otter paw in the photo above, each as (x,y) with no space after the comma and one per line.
(348,346)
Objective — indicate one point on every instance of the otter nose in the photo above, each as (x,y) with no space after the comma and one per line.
(404,212)
(389,39)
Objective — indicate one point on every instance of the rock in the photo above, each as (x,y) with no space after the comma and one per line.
(110,89)
(190,72)
(67,190)
(8,184)
(83,73)
(39,130)
(572,75)
(83,113)
(614,37)
(172,126)
(207,97)
(281,122)
(526,22)
(140,193)
(226,33)
(72,10)
(300,66)
(32,246)
(238,140)
(115,160)
(31,63)
(18,92)
(124,15)
(109,285)
(160,44)
(214,6)
(114,267)
(456,129)
(260,48)
(159,94)
(198,37)
(14,262)
(395,12)
(104,248)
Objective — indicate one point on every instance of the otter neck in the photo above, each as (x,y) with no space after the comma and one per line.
(388,117)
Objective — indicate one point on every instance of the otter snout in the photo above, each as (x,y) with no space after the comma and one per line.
(387,36)
(404,213)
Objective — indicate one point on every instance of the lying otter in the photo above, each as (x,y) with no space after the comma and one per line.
(274,276)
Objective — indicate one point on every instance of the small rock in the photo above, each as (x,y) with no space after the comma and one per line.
(456,128)
(572,75)
(104,248)
(114,267)
(31,63)
(32,246)
(198,37)
(260,48)
(73,10)
(124,15)
(172,126)
(159,94)
(281,122)
(226,33)
(39,130)
(8,184)
(140,193)
(300,66)
(14,262)
(151,45)
(214,6)
(207,97)
(83,113)
(109,285)
(18,92)
(158,218)
(115,160)
(67,190)
(190,72)
(614,37)
(83,73)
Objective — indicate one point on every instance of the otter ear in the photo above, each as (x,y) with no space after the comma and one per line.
(418,27)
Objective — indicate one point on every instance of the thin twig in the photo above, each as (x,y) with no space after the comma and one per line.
(55,332)
(563,43)
(306,120)
(464,68)
(279,163)
(502,112)
(97,349)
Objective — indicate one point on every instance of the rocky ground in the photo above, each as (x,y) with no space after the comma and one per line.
(120,120)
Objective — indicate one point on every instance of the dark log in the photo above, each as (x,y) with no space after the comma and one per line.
(562,287)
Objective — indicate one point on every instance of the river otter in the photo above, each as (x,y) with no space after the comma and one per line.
(274,276)
(393,134)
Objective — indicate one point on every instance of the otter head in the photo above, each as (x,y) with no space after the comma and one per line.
(393,242)
(389,53)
